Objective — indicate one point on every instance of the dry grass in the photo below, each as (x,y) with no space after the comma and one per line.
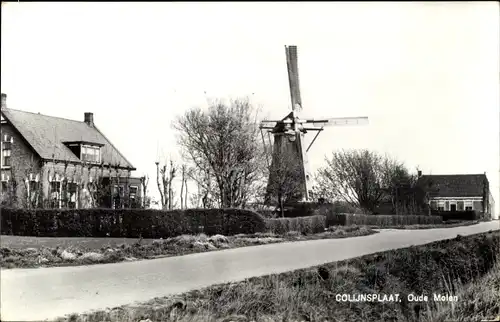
(29,252)
(479,301)
(20,242)
(309,295)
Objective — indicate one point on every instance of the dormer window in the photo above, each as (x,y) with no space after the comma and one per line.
(91,154)
(86,151)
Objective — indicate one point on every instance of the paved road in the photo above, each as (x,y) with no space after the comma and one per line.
(47,293)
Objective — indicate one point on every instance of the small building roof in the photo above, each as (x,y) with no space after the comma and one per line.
(454,185)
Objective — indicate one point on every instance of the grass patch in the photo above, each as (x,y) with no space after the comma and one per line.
(31,252)
(311,294)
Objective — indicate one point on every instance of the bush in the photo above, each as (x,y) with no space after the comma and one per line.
(303,225)
(380,220)
(128,223)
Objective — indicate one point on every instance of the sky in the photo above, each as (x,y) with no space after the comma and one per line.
(425,73)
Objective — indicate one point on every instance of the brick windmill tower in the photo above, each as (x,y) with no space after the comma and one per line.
(288,137)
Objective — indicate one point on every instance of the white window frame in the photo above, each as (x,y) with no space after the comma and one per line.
(6,138)
(34,177)
(90,150)
(57,179)
(133,195)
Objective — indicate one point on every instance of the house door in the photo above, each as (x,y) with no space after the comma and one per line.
(453,207)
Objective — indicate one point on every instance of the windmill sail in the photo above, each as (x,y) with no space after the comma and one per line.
(339,121)
(293,77)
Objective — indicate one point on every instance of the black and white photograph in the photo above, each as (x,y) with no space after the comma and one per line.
(250,161)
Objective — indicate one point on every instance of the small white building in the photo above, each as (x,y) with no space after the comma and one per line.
(459,192)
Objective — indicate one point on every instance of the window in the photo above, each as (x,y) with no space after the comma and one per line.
(34,187)
(5,183)
(55,194)
(468,208)
(468,205)
(117,190)
(69,194)
(133,191)
(6,158)
(91,154)
(6,150)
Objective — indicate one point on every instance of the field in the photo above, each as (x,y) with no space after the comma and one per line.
(461,267)
(29,252)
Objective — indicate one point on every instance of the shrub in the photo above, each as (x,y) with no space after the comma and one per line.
(380,220)
(128,223)
(303,225)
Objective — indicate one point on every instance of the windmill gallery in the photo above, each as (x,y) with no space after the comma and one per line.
(288,136)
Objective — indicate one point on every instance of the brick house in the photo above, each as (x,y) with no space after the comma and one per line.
(459,192)
(54,162)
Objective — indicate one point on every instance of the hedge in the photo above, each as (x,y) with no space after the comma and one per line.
(380,220)
(304,225)
(128,223)
(457,215)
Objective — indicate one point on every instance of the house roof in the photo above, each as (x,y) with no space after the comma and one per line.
(47,134)
(453,185)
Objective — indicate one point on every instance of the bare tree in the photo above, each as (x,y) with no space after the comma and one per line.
(221,142)
(173,171)
(184,186)
(205,184)
(144,184)
(164,178)
(360,178)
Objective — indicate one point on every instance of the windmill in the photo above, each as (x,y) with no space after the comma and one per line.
(289,132)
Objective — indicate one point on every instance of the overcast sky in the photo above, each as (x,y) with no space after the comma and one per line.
(426,74)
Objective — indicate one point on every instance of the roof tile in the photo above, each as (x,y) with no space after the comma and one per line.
(455,185)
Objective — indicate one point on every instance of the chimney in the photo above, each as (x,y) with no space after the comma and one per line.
(419,173)
(4,101)
(89,119)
